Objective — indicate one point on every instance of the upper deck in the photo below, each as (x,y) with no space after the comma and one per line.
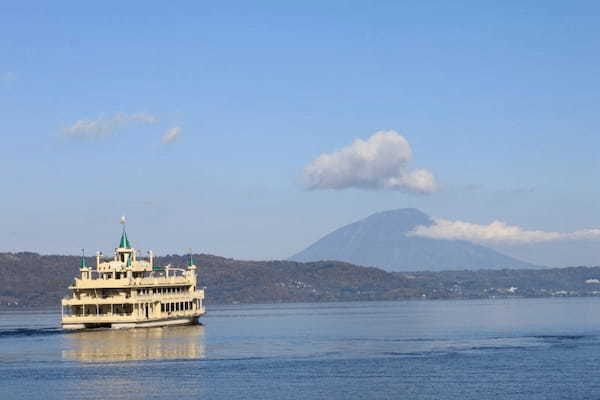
(125,270)
(149,281)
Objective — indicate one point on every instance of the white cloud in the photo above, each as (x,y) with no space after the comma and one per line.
(103,126)
(380,162)
(171,135)
(497,232)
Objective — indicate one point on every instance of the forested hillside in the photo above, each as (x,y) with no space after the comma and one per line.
(33,280)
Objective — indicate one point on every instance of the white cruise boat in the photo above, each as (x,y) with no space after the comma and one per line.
(127,292)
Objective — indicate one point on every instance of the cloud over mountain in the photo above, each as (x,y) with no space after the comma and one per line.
(379,162)
(497,232)
(105,126)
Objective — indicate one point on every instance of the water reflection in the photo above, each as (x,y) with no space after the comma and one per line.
(136,344)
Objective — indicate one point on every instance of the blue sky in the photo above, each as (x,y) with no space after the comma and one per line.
(497,99)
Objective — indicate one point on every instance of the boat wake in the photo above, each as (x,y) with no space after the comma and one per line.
(26,332)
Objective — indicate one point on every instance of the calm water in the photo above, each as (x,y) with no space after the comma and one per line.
(500,349)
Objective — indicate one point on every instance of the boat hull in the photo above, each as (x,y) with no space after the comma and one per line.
(191,320)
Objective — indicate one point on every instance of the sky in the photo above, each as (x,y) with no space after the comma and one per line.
(251,129)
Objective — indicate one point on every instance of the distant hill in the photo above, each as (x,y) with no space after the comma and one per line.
(30,280)
(33,280)
(380,240)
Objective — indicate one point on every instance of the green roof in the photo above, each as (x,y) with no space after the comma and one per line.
(82,264)
(124,243)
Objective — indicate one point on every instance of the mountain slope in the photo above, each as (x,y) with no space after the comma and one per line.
(380,240)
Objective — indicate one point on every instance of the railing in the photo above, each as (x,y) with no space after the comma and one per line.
(186,296)
(197,294)
(94,318)
(125,282)
(97,300)
(99,318)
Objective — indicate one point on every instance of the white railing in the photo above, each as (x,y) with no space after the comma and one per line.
(93,318)
(125,282)
(198,294)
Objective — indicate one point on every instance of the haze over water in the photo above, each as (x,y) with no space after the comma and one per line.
(512,349)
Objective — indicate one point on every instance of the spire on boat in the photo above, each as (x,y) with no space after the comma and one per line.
(191,259)
(124,242)
(83,264)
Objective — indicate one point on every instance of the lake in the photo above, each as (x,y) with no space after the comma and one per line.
(479,349)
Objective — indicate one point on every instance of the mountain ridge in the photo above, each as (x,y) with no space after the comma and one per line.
(381,240)
(31,280)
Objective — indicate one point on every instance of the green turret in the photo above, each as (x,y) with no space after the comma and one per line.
(124,243)
(83,264)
